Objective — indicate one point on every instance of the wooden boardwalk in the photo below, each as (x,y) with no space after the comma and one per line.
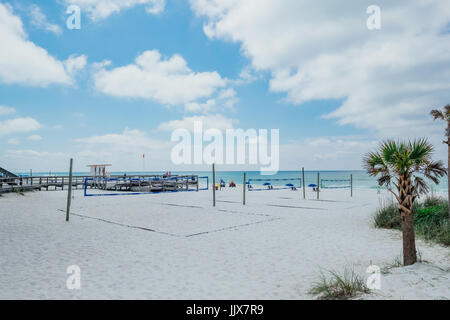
(18,184)
(152,183)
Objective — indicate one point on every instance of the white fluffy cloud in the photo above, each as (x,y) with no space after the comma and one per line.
(28,153)
(22,61)
(208,121)
(18,125)
(124,150)
(13,141)
(74,63)
(129,138)
(225,99)
(387,79)
(4,110)
(101,9)
(34,137)
(325,153)
(168,81)
(39,20)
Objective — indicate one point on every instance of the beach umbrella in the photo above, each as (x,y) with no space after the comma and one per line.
(312,185)
(267,184)
(289,185)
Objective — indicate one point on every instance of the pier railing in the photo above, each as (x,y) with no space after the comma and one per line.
(17,184)
(10,184)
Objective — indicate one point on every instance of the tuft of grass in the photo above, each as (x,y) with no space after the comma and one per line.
(431,220)
(398,262)
(339,286)
(387,216)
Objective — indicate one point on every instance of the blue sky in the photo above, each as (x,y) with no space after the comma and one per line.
(95,117)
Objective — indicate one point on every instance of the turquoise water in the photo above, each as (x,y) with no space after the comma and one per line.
(360,178)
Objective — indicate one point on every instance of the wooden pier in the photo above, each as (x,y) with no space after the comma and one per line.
(151,183)
(18,184)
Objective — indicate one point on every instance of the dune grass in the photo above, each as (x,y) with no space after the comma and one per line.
(431,220)
(339,286)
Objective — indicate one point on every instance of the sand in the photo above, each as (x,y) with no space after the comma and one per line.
(177,246)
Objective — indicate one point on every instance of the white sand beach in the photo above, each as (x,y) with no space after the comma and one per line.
(177,246)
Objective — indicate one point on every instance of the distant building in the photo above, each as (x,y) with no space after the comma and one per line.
(99,170)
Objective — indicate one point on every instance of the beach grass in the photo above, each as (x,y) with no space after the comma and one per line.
(396,263)
(339,286)
(430,219)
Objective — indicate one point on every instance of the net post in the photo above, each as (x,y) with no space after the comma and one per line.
(69,192)
(214,184)
(245,180)
(351,185)
(318,184)
(303,182)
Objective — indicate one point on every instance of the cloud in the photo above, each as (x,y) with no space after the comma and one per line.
(225,99)
(4,110)
(23,62)
(28,153)
(124,150)
(167,81)
(18,125)
(326,153)
(34,137)
(209,122)
(75,63)
(129,138)
(14,141)
(39,20)
(102,9)
(387,80)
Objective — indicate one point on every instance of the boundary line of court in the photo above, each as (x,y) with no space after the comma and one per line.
(123,225)
(232,227)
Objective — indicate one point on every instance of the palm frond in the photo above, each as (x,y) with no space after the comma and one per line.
(404,161)
(420,151)
(447,111)
(388,150)
(374,164)
(437,114)
(385,179)
(420,186)
(434,170)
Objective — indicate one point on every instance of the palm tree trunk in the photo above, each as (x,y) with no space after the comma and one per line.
(409,241)
(406,212)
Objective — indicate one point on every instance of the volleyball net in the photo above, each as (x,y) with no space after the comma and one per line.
(273,184)
(136,185)
(335,183)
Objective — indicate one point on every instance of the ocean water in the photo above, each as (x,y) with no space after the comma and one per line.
(360,178)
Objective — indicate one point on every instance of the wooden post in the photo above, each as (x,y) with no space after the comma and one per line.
(69,193)
(303,182)
(214,184)
(245,184)
(351,185)
(318,185)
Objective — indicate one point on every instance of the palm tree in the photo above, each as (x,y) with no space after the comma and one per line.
(407,163)
(445,115)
